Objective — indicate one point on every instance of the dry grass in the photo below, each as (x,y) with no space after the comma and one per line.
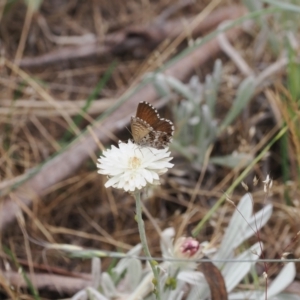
(37,105)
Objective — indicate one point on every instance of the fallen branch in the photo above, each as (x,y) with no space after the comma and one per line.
(51,282)
(45,109)
(135,39)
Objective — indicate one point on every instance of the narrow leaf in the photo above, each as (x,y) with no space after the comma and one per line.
(244,94)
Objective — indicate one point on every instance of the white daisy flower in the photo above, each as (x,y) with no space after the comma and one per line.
(131,167)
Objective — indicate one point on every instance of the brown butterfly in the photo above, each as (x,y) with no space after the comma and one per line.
(148,129)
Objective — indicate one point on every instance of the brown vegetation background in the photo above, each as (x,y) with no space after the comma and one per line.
(53,56)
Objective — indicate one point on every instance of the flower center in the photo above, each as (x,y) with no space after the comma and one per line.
(134,162)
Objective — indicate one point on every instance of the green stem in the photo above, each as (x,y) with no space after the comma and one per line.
(143,238)
(197,229)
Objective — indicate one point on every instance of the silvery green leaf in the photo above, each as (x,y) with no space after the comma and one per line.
(143,289)
(150,297)
(81,295)
(254,295)
(134,272)
(284,5)
(235,228)
(182,150)
(196,88)
(244,95)
(244,210)
(217,73)
(187,108)
(212,83)
(203,129)
(123,263)
(206,115)
(96,272)
(136,250)
(177,293)
(96,295)
(210,94)
(286,296)
(282,280)
(198,292)
(253,224)
(233,160)
(166,241)
(108,285)
(205,132)
(180,87)
(183,112)
(233,273)
(194,121)
(161,85)
(177,296)
(158,80)
(242,226)
(247,295)
(253,5)
(191,277)
(212,131)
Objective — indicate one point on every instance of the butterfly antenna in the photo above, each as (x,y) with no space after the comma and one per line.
(128,130)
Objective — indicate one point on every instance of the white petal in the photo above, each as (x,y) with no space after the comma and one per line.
(147,175)
(111,182)
(131,167)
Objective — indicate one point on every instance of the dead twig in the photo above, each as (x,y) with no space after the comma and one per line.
(134,39)
(234,54)
(45,109)
(51,282)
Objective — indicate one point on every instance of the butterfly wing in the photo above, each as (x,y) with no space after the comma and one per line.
(162,134)
(165,126)
(139,129)
(146,112)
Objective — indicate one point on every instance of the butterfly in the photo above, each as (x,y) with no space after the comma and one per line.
(148,129)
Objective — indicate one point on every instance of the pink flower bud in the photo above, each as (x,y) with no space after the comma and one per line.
(186,247)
